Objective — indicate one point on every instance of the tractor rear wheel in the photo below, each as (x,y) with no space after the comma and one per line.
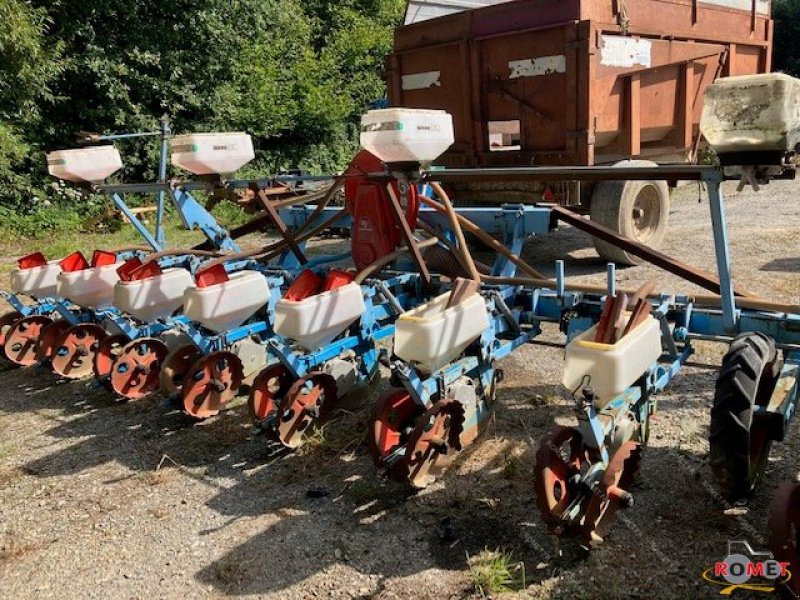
(739,445)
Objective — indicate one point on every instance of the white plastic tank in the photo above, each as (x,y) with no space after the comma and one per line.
(610,369)
(228,304)
(36,282)
(89,288)
(407,134)
(316,321)
(752,113)
(430,336)
(212,153)
(155,297)
(93,163)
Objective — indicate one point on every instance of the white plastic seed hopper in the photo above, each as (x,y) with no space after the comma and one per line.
(226,305)
(431,335)
(609,369)
(752,113)
(155,297)
(316,321)
(92,164)
(37,282)
(398,135)
(212,153)
(89,288)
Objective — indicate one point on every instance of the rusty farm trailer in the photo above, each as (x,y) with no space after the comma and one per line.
(578,82)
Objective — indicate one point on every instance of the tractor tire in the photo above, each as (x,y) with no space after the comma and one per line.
(739,446)
(637,210)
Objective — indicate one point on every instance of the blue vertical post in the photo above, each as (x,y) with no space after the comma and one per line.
(721,249)
(162,178)
(611,279)
(560,278)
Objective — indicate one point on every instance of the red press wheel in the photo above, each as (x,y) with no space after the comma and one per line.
(212,382)
(22,340)
(135,373)
(73,356)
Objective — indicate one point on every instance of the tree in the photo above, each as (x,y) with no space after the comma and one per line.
(295,74)
(27,65)
(787,36)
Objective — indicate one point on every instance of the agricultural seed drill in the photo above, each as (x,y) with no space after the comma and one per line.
(83,294)
(624,346)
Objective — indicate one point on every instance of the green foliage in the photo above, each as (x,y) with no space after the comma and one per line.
(787,36)
(296,75)
(27,64)
(495,572)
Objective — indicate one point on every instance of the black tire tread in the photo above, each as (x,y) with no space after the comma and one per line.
(748,360)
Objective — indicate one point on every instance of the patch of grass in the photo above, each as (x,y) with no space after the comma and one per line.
(495,572)
(7,451)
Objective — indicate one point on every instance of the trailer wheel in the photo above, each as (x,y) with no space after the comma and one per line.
(739,446)
(638,210)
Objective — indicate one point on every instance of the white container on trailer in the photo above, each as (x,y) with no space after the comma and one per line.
(612,368)
(226,305)
(212,153)
(752,113)
(316,321)
(155,297)
(89,288)
(93,163)
(430,336)
(36,282)
(407,134)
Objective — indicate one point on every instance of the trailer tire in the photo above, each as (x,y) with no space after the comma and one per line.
(739,446)
(638,210)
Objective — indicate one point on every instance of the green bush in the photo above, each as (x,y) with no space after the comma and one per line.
(787,36)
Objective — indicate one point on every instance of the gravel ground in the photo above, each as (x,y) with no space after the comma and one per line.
(130,501)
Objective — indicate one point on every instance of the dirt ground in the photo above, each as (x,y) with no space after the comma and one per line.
(107,500)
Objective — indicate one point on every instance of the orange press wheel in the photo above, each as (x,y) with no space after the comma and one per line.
(212,382)
(135,372)
(73,356)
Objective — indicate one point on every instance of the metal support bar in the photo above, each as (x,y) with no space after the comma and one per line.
(407,234)
(611,279)
(137,224)
(672,265)
(279,224)
(162,178)
(722,251)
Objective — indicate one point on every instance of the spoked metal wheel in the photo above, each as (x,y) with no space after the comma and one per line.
(612,494)
(433,443)
(22,340)
(6,322)
(73,356)
(107,352)
(50,336)
(267,392)
(211,383)
(392,420)
(176,367)
(309,399)
(560,459)
(135,372)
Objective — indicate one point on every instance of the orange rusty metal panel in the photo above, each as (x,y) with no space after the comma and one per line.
(584,81)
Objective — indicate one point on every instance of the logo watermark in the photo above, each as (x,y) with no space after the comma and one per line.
(747,569)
